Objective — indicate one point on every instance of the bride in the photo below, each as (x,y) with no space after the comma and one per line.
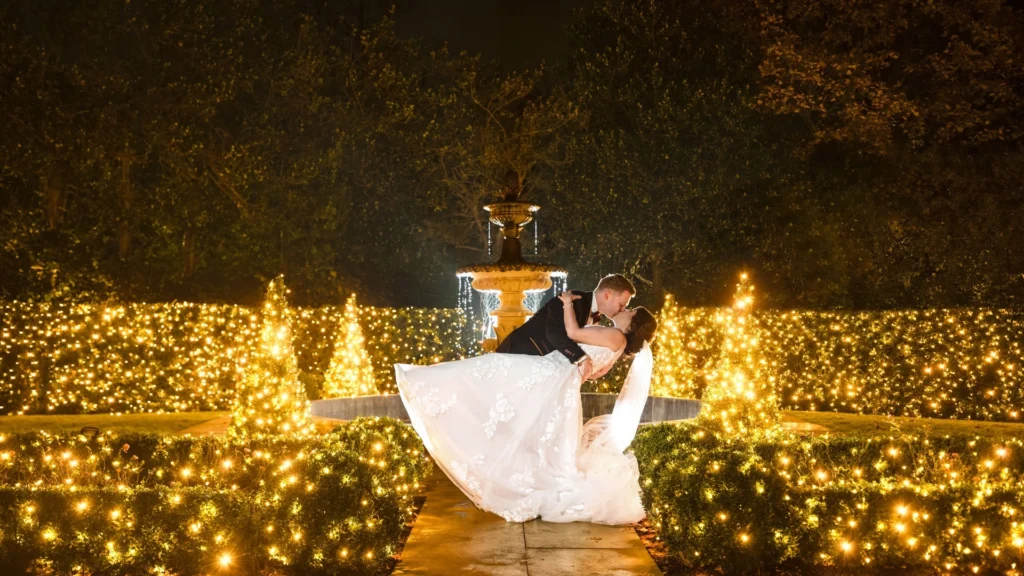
(508,428)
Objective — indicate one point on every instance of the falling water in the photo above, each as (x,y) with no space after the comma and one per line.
(466,305)
(488,237)
(559,281)
(535,237)
(535,299)
(488,303)
(480,323)
(466,294)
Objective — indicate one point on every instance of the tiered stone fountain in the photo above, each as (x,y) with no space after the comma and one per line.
(511,277)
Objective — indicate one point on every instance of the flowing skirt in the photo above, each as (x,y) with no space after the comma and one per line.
(508,431)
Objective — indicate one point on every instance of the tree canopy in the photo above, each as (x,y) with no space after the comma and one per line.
(852,154)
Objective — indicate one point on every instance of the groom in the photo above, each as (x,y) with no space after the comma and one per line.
(544,332)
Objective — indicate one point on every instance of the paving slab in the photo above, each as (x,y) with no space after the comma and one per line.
(540,534)
(604,561)
(798,426)
(453,536)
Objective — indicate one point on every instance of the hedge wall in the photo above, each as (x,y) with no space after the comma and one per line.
(964,363)
(953,504)
(148,504)
(64,358)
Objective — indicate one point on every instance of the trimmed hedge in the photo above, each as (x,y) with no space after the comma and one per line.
(955,363)
(941,363)
(142,504)
(177,357)
(952,503)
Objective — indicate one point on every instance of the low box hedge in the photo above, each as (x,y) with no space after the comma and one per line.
(145,504)
(951,503)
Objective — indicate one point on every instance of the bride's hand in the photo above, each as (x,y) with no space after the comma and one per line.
(568,297)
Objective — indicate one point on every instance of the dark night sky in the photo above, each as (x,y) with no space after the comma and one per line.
(520,33)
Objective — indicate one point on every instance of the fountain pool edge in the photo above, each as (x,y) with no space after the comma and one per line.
(657,409)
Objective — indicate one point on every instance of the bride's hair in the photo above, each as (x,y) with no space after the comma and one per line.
(641,328)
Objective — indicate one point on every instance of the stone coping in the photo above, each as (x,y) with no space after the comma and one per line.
(657,409)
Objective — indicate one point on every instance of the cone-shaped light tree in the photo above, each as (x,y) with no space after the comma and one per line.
(670,350)
(350,373)
(271,399)
(740,398)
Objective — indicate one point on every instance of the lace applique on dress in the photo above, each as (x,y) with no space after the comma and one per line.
(521,513)
(522,482)
(461,471)
(490,366)
(430,402)
(541,371)
(501,412)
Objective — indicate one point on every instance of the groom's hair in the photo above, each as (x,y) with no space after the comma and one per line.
(615,283)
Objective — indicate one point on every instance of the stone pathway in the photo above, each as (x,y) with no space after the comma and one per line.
(452,536)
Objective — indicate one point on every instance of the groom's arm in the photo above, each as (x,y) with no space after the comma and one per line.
(554,332)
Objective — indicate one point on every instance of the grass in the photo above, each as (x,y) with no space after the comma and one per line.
(868,425)
(156,423)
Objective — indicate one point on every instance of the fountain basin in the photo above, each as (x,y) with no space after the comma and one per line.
(657,409)
(511,281)
(516,276)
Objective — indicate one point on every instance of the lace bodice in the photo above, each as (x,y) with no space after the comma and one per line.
(601,356)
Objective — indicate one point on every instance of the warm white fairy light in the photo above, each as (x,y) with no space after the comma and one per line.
(351,371)
(902,499)
(380,459)
(271,398)
(952,363)
(740,397)
(173,357)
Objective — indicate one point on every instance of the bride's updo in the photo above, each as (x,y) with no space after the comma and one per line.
(641,328)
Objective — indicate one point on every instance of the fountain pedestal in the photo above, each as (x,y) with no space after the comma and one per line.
(511,283)
(511,277)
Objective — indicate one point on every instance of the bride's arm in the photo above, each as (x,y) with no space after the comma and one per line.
(595,335)
(572,328)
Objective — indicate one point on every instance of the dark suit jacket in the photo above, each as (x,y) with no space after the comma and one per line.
(544,332)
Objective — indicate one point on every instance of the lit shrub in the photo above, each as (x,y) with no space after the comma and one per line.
(136,503)
(891,501)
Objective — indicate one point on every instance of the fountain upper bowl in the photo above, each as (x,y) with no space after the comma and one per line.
(474,269)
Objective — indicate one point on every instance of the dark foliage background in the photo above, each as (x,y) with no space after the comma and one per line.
(852,154)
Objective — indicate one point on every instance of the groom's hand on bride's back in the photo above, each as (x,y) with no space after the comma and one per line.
(586,368)
(601,372)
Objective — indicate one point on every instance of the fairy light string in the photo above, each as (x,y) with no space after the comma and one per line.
(732,491)
(351,370)
(142,503)
(177,357)
(934,363)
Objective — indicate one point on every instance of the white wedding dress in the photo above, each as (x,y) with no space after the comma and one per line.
(507,429)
